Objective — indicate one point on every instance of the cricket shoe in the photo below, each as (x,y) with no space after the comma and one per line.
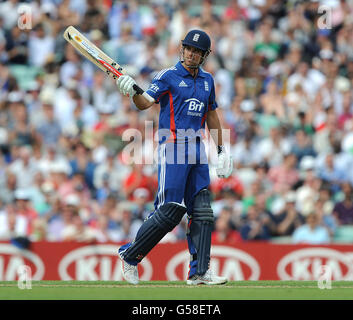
(130,272)
(208,278)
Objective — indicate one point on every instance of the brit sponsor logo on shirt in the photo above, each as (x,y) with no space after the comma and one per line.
(195,107)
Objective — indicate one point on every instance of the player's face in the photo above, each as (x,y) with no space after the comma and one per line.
(192,55)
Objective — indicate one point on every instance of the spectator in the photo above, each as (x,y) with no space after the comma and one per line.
(8,12)
(83,163)
(302,145)
(265,44)
(44,205)
(84,115)
(11,224)
(262,176)
(234,11)
(127,226)
(110,172)
(123,14)
(308,190)
(62,220)
(22,132)
(343,210)
(231,183)
(7,191)
(297,101)
(346,116)
(64,105)
(245,152)
(262,206)
(255,226)
(108,208)
(36,195)
(310,79)
(69,69)
(289,219)
(24,168)
(325,217)
(327,134)
(125,48)
(240,116)
(272,149)
(40,46)
(143,206)
(103,232)
(53,160)
(78,231)
(311,232)
(224,231)
(104,191)
(49,130)
(39,232)
(58,175)
(250,194)
(304,123)
(272,101)
(24,209)
(75,186)
(284,176)
(16,46)
(331,173)
(138,179)
(228,198)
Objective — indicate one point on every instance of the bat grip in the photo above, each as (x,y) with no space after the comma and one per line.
(143,93)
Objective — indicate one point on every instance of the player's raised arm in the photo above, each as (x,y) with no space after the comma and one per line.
(127,86)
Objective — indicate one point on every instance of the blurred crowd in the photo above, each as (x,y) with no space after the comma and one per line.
(283,72)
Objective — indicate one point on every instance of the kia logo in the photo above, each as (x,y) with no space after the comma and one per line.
(306,264)
(237,264)
(98,262)
(16,258)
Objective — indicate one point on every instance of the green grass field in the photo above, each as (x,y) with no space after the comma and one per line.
(163,290)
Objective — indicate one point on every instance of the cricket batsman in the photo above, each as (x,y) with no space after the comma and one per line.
(186,94)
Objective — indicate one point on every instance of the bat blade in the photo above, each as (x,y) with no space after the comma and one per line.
(98,57)
(92,52)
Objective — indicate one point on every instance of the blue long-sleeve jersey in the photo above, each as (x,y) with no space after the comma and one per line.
(184,100)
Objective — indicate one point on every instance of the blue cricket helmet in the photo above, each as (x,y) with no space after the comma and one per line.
(198,39)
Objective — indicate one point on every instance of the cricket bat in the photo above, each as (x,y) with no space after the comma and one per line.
(98,57)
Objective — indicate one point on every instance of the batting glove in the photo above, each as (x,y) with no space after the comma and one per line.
(225,163)
(125,85)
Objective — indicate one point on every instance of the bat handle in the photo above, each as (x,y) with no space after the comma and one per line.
(143,93)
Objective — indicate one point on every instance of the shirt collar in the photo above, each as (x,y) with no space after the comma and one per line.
(183,72)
